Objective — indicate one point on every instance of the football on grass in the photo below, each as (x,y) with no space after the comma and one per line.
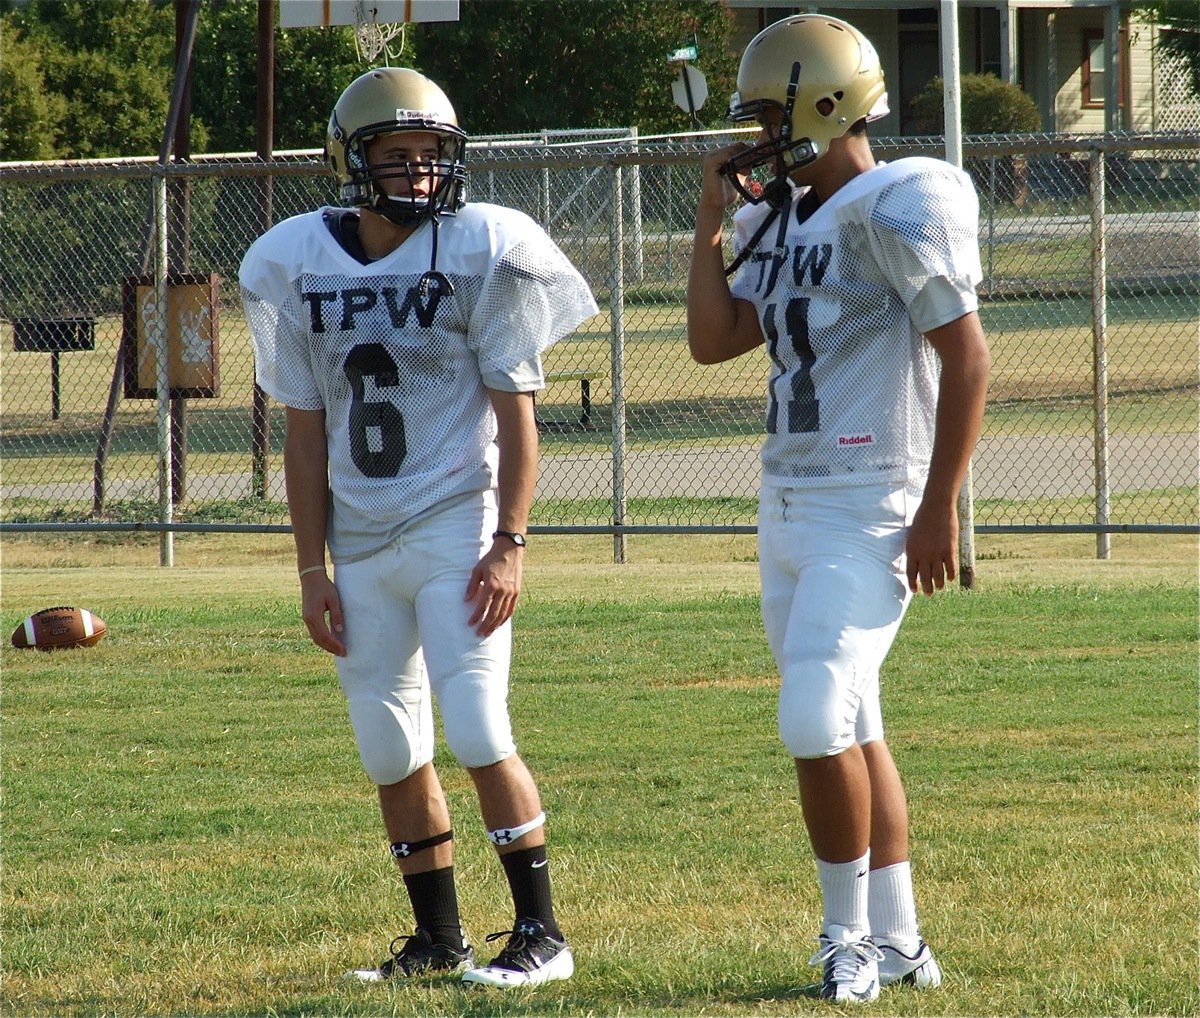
(53,628)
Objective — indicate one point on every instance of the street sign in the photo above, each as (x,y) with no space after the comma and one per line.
(689,90)
(683,53)
(695,89)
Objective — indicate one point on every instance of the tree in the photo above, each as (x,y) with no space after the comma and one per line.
(524,65)
(104,61)
(1179,33)
(93,78)
(33,115)
(312,66)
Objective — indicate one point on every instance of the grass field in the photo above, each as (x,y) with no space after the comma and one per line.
(187,830)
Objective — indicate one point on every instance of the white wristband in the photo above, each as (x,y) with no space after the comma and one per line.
(312,569)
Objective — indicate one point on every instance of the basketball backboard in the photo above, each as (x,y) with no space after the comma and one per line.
(324,13)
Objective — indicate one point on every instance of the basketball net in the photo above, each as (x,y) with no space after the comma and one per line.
(372,37)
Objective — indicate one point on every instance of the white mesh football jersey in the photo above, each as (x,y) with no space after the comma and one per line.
(843,299)
(399,373)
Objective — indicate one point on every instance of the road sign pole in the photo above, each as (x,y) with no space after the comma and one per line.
(687,84)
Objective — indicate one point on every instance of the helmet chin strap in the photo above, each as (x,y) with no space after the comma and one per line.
(434,284)
(777,194)
(401,214)
(777,190)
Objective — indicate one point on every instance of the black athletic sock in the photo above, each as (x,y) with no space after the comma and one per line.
(529,879)
(435,905)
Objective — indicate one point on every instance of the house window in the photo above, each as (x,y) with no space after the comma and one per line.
(1094,72)
(987,42)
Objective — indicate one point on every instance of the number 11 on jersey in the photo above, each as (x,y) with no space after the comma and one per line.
(803,413)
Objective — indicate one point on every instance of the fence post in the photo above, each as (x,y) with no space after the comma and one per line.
(952,103)
(616,313)
(1096,187)
(264,131)
(635,213)
(159,331)
(544,197)
(991,230)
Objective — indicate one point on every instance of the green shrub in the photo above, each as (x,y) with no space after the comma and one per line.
(989,106)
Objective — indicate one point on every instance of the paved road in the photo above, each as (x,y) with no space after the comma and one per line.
(1011,467)
(1022,466)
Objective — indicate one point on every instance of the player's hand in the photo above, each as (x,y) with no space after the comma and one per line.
(322,612)
(932,548)
(494,586)
(716,190)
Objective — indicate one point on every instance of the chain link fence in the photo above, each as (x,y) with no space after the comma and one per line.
(1092,274)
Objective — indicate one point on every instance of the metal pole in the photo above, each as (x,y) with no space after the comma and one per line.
(181,252)
(545,195)
(183,61)
(1112,65)
(55,386)
(635,213)
(991,231)
(158,329)
(1100,349)
(952,102)
(260,415)
(616,311)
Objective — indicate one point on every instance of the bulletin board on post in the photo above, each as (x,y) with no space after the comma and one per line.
(193,329)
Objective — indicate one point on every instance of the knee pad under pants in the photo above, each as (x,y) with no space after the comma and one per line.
(833,598)
(822,715)
(408,641)
(393,726)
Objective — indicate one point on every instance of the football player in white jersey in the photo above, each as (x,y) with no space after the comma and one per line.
(404,333)
(860,279)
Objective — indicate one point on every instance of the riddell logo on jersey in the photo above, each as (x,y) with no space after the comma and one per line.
(855,439)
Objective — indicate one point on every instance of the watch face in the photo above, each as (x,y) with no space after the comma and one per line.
(517,539)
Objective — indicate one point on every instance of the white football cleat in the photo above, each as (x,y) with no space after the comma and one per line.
(908,963)
(851,963)
(530,957)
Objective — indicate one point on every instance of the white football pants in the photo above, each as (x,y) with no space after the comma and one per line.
(407,640)
(833,594)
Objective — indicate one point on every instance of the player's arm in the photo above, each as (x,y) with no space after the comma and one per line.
(720,326)
(495,582)
(932,546)
(306,475)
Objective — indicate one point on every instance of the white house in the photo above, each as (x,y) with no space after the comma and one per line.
(1056,52)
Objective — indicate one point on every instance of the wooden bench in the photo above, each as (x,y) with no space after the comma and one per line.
(584,377)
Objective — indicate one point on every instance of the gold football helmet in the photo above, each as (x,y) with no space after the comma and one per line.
(822,75)
(389,100)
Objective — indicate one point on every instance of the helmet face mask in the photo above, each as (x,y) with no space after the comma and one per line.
(397,101)
(808,80)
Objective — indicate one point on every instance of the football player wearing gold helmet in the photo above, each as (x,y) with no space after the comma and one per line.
(404,332)
(859,278)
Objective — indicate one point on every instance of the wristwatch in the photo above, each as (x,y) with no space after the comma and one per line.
(517,539)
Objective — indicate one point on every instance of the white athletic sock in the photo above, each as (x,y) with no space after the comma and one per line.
(892,906)
(844,892)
